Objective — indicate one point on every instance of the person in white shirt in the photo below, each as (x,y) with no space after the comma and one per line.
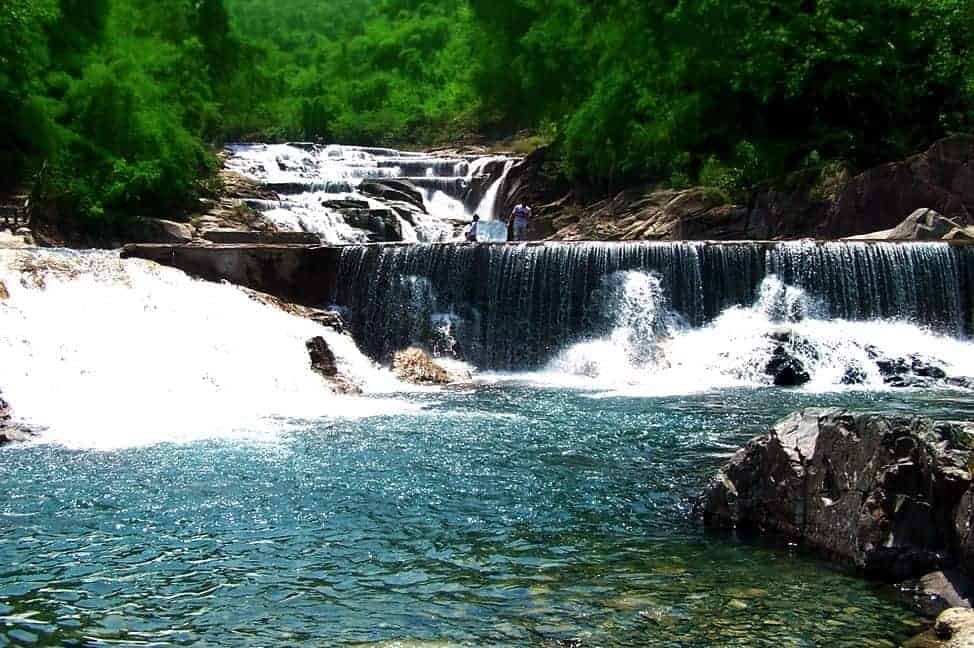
(520,219)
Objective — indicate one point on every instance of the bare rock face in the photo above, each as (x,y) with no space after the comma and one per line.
(892,494)
(417,367)
(921,225)
(935,188)
(324,363)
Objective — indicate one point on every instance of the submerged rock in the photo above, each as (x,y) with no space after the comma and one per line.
(324,363)
(417,367)
(893,494)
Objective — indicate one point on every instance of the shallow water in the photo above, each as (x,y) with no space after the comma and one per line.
(506,514)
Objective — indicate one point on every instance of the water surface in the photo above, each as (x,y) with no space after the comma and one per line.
(507,514)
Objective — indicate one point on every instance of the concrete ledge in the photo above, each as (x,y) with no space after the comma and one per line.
(300,274)
(235,237)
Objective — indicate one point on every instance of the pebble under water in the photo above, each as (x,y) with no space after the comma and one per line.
(507,514)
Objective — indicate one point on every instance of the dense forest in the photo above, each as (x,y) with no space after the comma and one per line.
(115,107)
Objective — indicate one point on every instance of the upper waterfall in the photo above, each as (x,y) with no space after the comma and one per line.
(354,194)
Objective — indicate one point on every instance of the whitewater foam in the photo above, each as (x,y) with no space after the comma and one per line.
(105,353)
(649,351)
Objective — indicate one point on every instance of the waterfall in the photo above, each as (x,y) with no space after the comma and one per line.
(516,307)
(321,189)
(106,353)
(488,207)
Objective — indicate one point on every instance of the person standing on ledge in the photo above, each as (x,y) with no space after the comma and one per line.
(520,218)
(471,234)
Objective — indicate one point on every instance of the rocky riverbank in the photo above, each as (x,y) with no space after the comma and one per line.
(817,205)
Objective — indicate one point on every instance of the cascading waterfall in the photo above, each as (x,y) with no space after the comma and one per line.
(524,307)
(320,190)
(488,207)
(132,353)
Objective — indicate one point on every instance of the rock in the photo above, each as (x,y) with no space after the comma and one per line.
(27,236)
(892,494)
(346,203)
(164,231)
(954,629)
(417,367)
(536,181)
(786,369)
(941,590)
(324,363)
(10,432)
(4,293)
(960,234)
(921,225)
(326,318)
(394,190)
(914,371)
(854,375)
(935,187)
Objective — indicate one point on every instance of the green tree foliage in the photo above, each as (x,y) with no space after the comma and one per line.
(115,104)
(654,88)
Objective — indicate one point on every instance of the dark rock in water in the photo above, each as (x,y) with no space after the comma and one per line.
(11,432)
(346,203)
(322,359)
(786,369)
(893,494)
(854,375)
(785,366)
(962,382)
(397,190)
(323,362)
(913,371)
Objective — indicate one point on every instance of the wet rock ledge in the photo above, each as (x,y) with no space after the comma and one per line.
(890,493)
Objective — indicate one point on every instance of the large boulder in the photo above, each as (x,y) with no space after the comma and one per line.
(165,231)
(892,494)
